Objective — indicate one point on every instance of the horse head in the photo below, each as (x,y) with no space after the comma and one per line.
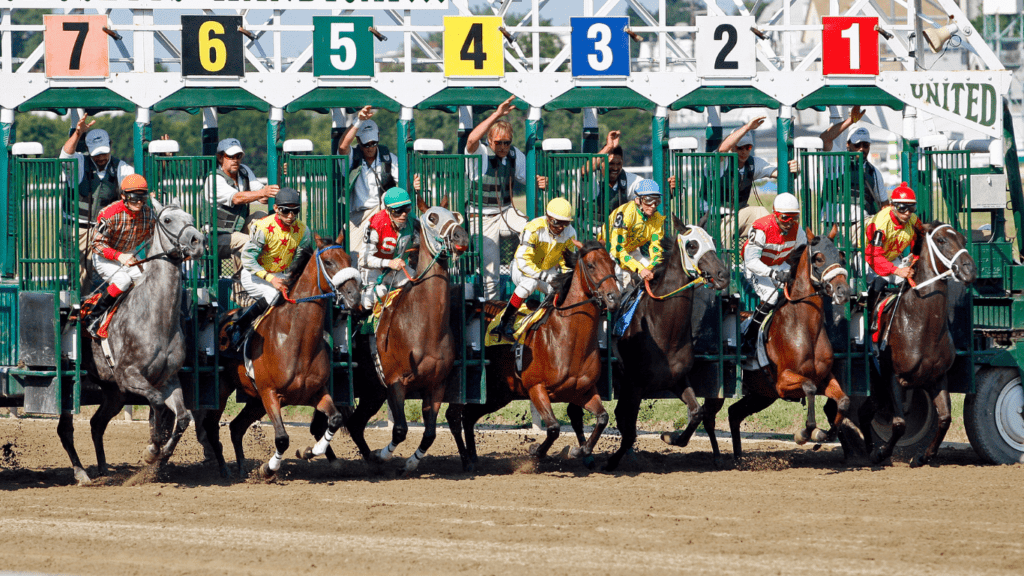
(700,257)
(336,264)
(176,234)
(947,253)
(594,266)
(827,266)
(441,229)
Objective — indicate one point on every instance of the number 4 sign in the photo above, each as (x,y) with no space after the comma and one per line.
(725,47)
(849,45)
(473,46)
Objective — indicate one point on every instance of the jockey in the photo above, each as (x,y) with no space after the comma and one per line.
(636,224)
(539,257)
(120,228)
(769,243)
(889,234)
(388,235)
(273,242)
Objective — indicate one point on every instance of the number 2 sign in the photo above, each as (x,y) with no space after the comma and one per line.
(600,47)
(76,46)
(849,45)
(725,47)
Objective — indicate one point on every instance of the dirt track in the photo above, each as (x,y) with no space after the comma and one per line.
(793,512)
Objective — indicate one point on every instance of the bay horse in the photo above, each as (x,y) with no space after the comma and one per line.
(656,351)
(147,346)
(798,347)
(561,361)
(920,350)
(291,361)
(414,341)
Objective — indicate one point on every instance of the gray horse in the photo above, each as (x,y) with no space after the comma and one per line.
(147,346)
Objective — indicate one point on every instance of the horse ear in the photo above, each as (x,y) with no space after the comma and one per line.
(444,202)
(832,233)
(702,223)
(679,224)
(156,203)
(421,204)
(341,238)
(810,233)
(320,242)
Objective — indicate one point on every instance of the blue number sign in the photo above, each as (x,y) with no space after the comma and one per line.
(600,46)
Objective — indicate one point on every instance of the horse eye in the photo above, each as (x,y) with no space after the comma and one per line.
(591,266)
(167,220)
(941,240)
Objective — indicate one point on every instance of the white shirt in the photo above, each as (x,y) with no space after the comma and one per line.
(484,151)
(632,183)
(367,183)
(762,169)
(226,190)
(123,169)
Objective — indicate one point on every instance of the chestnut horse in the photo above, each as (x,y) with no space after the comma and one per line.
(656,351)
(920,349)
(290,359)
(798,345)
(560,359)
(414,341)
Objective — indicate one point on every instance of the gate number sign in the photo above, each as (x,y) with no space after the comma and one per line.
(212,46)
(849,45)
(342,46)
(726,47)
(76,46)
(600,47)
(473,46)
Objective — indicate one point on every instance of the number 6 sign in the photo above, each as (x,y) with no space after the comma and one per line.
(76,46)
(849,45)
(212,46)
(725,47)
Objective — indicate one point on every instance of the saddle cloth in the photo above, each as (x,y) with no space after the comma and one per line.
(625,316)
(876,316)
(525,319)
(760,359)
(107,317)
(370,326)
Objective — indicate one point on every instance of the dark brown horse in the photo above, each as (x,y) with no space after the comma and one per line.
(290,359)
(656,351)
(560,359)
(920,349)
(798,345)
(414,341)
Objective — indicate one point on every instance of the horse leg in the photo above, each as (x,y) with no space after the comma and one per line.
(211,424)
(745,406)
(595,407)
(176,402)
(66,433)
(786,384)
(370,401)
(332,420)
(110,406)
(273,405)
(837,408)
(696,418)
(575,413)
(539,397)
(396,402)
(711,408)
(944,410)
(454,416)
(471,414)
(899,423)
(431,407)
(251,412)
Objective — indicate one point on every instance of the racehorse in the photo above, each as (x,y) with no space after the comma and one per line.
(920,349)
(291,361)
(414,342)
(797,344)
(656,351)
(147,346)
(560,359)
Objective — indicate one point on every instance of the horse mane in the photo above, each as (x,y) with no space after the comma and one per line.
(794,257)
(561,284)
(669,253)
(918,243)
(294,271)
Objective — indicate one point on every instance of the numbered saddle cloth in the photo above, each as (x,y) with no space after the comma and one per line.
(884,304)
(107,316)
(525,319)
(370,327)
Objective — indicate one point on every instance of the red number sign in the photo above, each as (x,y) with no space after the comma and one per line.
(849,45)
(76,46)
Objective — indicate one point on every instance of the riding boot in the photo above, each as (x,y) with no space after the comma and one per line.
(91,320)
(875,290)
(242,322)
(748,339)
(506,327)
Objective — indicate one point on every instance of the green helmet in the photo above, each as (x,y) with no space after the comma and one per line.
(396,198)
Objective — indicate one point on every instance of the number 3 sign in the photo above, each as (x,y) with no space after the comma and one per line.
(76,46)
(725,47)
(600,47)
(849,45)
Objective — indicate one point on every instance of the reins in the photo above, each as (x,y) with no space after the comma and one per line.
(701,279)
(934,251)
(591,287)
(319,268)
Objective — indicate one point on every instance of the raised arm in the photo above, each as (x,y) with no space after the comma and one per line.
(473,140)
(829,136)
(80,129)
(729,144)
(345,146)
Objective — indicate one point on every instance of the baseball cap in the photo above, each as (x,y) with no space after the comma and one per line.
(98,142)
(746,140)
(230,147)
(860,135)
(368,132)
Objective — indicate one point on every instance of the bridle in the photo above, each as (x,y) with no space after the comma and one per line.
(691,265)
(820,276)
(590,289)
(179,251)
(343,275)
(933,252)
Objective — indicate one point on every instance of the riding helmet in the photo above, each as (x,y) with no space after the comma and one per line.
(561,209)
(786,203)
(287,197)
(902,194)
(396,198)
(648,187)
(134,182)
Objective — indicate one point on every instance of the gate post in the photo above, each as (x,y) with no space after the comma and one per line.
(339,124)
(275,137)
(210,132)
(7,132)
(713,133)
(142,134)
(405,135)
(465,127)
(589,144)
(534,138)
(784,141)
(659,144)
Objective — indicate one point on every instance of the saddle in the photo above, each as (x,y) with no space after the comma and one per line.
(224,341)
(624,317)
(886,304)
(529,317)
(370,325)
(108,316)
(760,359)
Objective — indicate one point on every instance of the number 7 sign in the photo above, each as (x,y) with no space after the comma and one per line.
(849,45)
(76,46)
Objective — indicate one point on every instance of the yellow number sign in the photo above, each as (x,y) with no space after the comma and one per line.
(473,46)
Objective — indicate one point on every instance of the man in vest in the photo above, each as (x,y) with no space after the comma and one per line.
(503,175)
(875,195)
(769,242)
(622,184)
(234,187)
(120,228)
(635,224)
(273,242)
(751,169)
(539,258)
(386,240)
(889,237)
(372,171)
(99,178)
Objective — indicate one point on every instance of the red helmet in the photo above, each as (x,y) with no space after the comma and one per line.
(903,195)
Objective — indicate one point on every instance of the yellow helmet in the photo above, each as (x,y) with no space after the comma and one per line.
(560,209)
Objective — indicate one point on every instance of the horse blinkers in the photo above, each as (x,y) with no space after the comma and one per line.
(828,272)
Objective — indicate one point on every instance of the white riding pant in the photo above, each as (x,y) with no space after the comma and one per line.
(622,274)
(373,291)
(898,262)
(507,222)
(765,288)
(112,271)
(259,288)
(525,285)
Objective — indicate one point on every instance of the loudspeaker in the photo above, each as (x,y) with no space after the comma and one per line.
(937,37)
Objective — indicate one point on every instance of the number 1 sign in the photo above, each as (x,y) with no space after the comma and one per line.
(725,47)
(849,45)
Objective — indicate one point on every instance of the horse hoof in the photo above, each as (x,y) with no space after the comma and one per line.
(801,437)
(589,462)
(534,449)
(468,467)
(666,437)
(674,439)
(150,456)
(81,477)
(819,435)
(266,473)
(876,456)
(577,452)
(718,463)
(225,472)
(918,461)
(306,454)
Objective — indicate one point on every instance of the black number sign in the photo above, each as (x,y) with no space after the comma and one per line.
(474,38)
(721,63)
(212,46)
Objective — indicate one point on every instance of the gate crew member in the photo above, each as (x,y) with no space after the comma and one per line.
(622,184)
(875,195)
(504,174)
(372,171)
(272,245)
(751,169)
(388,236)
(769,243)
(235,187)
(636,224)
(889,235)
(120,229)
(539,258)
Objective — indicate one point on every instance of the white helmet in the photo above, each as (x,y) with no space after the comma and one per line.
(786,203)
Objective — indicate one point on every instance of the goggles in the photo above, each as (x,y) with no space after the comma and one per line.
(561,224)
(787,217)
(904,208)
(288,211)
(652,200)
(400,210)
(133,197)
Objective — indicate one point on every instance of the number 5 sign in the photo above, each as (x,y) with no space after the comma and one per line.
(600,47)
(849,45)
(725,47)
(342,46)
(76,46)
(472,46)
